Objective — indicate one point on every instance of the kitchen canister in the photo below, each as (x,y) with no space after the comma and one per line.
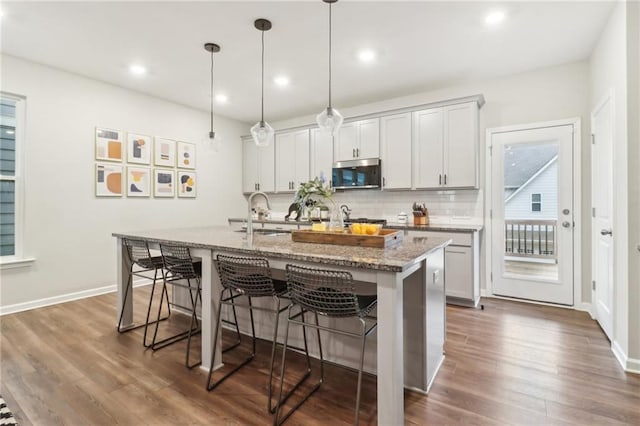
(403,218)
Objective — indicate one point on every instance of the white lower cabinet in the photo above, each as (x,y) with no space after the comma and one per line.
(461,266)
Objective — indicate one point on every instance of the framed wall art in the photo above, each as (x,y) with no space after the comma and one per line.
(187,184)
(164,152)
(138,149)
(108,180)
(186,155)
(164,183)
(138,181)
(109,144)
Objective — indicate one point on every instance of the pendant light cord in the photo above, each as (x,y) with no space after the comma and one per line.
(211,93)
(329,55)
(262,91)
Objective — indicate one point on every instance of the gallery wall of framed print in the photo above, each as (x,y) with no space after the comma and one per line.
(186,155)
(108,180)
(187,184)
(138,149)
(164,183)
(109,144)
(165,152)
(138,181)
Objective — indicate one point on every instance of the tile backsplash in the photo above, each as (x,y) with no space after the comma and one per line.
(462,206)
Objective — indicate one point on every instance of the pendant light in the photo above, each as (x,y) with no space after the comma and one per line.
(330,119)
(262,132)
(213,141)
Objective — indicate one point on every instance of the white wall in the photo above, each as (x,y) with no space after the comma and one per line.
(608,72)
(540,95)
(67,229)
(545,184)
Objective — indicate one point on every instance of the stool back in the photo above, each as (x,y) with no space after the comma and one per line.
(324,291)
(247,275)
(137,250)
(177,261)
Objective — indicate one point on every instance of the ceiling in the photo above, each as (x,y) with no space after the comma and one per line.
(420,46)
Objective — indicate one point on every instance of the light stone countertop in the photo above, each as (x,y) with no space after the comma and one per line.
(435,227)
(223,238)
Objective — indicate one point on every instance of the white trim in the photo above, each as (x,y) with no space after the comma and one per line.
(619,353)
(633,366)
(14,262)
(586,307)
(69,297)
(577,199)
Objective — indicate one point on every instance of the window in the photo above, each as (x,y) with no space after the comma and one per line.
(11,128)
(536,202)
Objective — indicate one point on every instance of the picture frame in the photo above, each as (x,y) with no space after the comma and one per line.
(186,157)
(108,144)
(164,183)
(108,179)
(139,148)
(186,184)
(164,152)
(138,181)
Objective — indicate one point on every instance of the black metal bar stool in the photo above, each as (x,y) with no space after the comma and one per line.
(141,262)
(330,294)
(180,267)
(250,277)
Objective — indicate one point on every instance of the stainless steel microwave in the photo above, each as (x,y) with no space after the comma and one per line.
(356,174)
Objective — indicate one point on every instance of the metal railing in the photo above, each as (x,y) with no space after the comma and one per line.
(531,238)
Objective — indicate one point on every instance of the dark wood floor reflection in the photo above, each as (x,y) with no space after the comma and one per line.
(511,363)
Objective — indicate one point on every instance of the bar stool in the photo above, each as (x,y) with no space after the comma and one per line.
(180,267)
(250,277)
(330,294)
(140,258)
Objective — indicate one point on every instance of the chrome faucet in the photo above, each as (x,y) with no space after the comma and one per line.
(249,215)
(346,211)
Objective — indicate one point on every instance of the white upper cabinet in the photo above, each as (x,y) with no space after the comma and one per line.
(321,154)
(292,160)
(258,167)
(358,139)
(446,147)
(395,146)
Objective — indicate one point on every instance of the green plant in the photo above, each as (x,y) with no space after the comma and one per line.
(314,192)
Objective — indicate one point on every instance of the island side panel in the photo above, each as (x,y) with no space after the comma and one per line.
(390,349)
(436,314)
(415,330)
(122,278)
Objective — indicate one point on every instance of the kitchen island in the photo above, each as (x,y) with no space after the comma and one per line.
(408,280)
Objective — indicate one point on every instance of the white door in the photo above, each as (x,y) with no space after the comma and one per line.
(285,161)
(532,225)
(428,139)
(250,175)
(395,150)
(346,142)
(368,138)
(601,228)
(321,154)
(461,145)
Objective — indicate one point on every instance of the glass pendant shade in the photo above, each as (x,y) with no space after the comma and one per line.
(262,133)
(214,142)
(330,121)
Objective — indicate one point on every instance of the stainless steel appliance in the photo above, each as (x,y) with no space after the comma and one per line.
(357,174)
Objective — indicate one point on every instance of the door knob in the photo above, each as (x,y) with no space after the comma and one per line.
(565,211)
(566,224)
(606,232)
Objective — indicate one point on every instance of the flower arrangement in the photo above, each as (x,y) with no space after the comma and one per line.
(313,193)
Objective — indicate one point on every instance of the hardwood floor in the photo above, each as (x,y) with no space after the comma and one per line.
(511,363)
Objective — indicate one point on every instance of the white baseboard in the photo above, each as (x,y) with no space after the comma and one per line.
(69,297)
(630,365)
(586,307)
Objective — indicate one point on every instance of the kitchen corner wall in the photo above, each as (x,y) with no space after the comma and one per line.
(541,95)
(66,228)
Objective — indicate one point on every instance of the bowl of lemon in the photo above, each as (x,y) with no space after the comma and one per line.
(365,228)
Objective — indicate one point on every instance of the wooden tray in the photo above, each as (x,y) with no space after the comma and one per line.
(386,238)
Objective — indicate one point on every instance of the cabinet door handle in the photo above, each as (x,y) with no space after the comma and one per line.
(258,186)
(357,152)
(439,179)
(445,178)
(353,153)
(384,181)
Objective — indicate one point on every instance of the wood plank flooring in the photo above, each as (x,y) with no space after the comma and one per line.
(511,363)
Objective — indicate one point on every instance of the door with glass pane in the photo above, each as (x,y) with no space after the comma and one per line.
(532,214)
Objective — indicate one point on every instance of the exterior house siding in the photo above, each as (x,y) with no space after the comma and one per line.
(519,205)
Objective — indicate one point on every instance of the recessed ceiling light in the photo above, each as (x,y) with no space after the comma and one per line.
(221,98)
(494,17)
(281,80)
(137,69)
(367,55)
(11,132)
